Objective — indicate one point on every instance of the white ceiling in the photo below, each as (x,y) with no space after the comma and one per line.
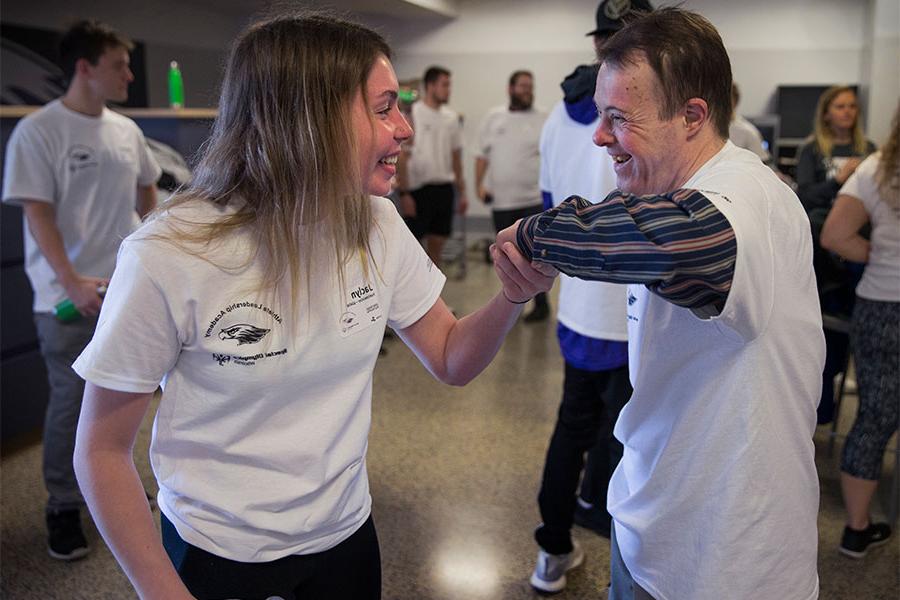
(404,10)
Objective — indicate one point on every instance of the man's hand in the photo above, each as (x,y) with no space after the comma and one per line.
(407,205)
(483,193)
(521,280)
(82,291)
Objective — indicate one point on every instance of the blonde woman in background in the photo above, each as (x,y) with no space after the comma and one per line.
(833,151)
(258,298)
(831,154)
(871,196)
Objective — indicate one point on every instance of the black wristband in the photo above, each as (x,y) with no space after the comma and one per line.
(513,301)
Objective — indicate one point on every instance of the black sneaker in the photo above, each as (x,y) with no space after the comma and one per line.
(855,543)
(595,519)
(65,540)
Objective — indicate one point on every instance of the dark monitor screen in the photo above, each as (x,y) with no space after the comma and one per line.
(796,105)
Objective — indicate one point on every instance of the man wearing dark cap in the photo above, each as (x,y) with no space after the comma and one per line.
(592,334)
(611,14)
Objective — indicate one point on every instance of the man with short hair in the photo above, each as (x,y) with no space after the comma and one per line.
(506,169)
(717,493)
(82,175)
(430,174)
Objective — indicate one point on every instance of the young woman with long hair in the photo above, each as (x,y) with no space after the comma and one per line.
(871,196)
(834,149)
(258,298)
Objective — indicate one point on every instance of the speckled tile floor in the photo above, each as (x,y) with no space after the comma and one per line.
(454,476)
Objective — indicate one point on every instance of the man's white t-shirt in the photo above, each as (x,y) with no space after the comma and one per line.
(438,134)
(571,164)
(259,444)
(717,494)
(510,141)
(89,169)
(881,278)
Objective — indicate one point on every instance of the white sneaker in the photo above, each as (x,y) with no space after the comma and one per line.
(550,572)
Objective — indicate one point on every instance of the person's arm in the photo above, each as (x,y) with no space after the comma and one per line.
(107,476)
(462,202)
(81,290)
(455,351)
(679,245)
(840,233)
(146,199)
(481,167)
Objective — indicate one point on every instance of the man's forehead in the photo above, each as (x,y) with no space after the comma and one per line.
(629,78)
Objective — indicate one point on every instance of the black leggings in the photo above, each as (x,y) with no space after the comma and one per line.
(349,571)
(874,335)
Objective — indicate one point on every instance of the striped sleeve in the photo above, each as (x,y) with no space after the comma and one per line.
(679,245)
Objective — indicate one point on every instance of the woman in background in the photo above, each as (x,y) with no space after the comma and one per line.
(832,153)
(871,196)
(258,299)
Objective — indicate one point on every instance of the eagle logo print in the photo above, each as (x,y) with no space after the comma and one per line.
(243,333)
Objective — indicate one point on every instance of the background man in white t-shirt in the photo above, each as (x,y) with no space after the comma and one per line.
(83,175)
(430,173)
(742,132)
(592,332)
(716,495)
(506,169)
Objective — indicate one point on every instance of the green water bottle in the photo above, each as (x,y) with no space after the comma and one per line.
(176,86)
(66,312)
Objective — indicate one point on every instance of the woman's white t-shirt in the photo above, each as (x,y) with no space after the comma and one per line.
(259,444)
(881,278)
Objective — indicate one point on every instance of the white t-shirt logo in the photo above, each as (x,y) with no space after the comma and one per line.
(361,309)
(81,157)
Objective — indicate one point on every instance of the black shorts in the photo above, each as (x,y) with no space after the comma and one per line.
(434,210)
(506,218)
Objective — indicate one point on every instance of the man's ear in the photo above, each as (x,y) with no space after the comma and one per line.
(83,67)
(696,115)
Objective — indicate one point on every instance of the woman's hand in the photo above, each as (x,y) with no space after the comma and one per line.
(521,279)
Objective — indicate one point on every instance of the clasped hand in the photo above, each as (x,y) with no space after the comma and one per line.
(522,279)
